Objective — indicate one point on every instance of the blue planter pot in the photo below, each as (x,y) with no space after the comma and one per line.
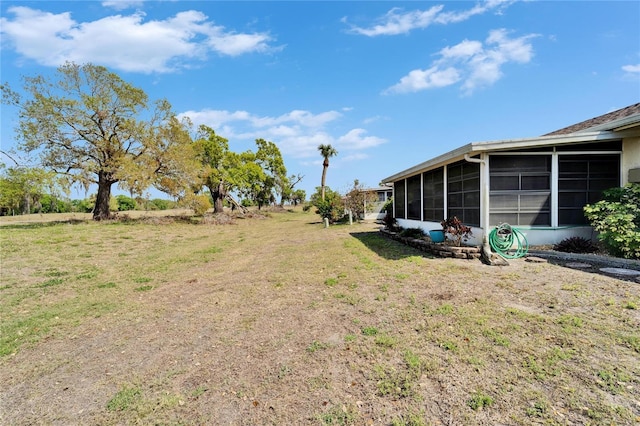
(437,236)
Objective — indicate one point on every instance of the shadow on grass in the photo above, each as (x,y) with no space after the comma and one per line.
(387,248)
(34,225)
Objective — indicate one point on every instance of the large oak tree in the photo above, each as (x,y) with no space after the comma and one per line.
(223,171)
(90,125)
(252,175)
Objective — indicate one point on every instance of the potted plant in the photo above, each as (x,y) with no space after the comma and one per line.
(437,235)
(458,230)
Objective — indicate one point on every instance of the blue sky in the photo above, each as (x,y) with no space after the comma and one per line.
(388,84)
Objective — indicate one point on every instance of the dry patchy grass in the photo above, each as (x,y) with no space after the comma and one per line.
(280,321)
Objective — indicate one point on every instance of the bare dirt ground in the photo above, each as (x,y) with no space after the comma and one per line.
(279,321)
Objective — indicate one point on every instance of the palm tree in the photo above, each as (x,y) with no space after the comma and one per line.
(326,151)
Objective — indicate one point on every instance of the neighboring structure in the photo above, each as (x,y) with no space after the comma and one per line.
(538,185)
(373,210)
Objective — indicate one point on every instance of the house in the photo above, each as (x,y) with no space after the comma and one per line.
(375,201)
(538,185)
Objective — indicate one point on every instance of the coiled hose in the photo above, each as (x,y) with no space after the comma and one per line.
(508,242)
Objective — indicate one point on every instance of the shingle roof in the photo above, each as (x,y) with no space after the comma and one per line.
(602,119)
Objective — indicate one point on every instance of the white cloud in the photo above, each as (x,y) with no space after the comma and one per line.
(463,50)
(471,62)
(396,21)
(418,80)
(354,157)
(123,4)
(216,118)
(237,44)
(478,9)
(125,42)
(297,133)
(307,119)
(355,139)
(373,119)
(632,69)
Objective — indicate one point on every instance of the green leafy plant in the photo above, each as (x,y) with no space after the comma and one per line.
(331,207)
(339,415)
(617,219)
(316,346)
(393,383)
(390,222)
(576,245)
(456,229)
(385,341)
(369,331)
(125,203)
(449,345)
(125,398)
(479,400)
(330,282)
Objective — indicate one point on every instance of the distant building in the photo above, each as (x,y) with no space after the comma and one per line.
(374,209)
(538,185)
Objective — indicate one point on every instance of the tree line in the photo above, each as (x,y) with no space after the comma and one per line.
(89,127)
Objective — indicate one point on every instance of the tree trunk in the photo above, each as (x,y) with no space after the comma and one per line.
(218,194)
(26,208)
(325,166)
(101,209)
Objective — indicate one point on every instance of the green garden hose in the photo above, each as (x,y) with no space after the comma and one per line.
(508,242)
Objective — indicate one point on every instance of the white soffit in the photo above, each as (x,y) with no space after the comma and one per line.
(502,145)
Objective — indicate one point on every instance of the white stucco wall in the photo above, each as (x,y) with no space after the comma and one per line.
(537,237)
(630,157)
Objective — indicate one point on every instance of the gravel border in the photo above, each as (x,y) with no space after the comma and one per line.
(603,261)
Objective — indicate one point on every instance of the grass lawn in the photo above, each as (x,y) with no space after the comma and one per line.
(276,320)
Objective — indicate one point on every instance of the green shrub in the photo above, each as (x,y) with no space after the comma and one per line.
(391,223)
(51,204)
(82,206)
(159,204)
(388,206)
(125,203)
(617,219)
(331,207)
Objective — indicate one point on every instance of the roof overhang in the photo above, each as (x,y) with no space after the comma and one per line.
(625,123)
(475,148)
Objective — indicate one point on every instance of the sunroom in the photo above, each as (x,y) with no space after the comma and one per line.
(537,185)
